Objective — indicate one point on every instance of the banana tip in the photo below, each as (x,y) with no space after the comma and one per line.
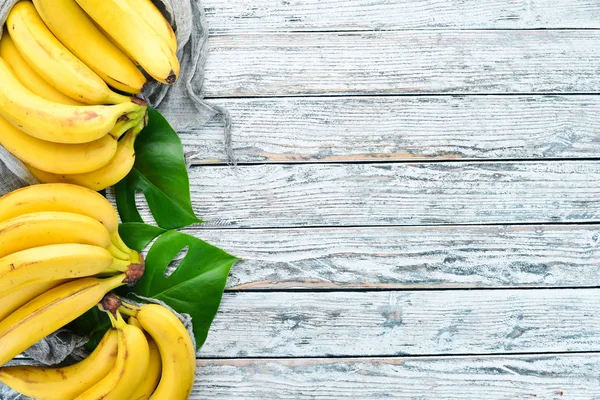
(172,78)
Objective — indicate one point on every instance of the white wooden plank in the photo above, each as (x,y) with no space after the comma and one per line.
(411,257)
(396,194)
(404,62)
(244,16)
(292,324)
(398,128)
(448,378)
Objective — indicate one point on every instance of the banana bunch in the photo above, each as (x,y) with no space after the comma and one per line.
(151,356)
(60,254)
(69,73)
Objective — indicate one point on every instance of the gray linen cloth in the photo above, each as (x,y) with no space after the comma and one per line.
(187,16)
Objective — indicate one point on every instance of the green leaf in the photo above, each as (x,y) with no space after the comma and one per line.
(93,323)
(160,173)
(137,235)
(196,286)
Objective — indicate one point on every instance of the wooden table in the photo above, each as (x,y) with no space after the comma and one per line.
(417,199)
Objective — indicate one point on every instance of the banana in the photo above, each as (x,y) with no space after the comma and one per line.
(153,17)
(53,61)
(63,197)
(54,262)
(65,382)
(86,42)
(51,311)
(176,349)
(130,368)
(58,158)
(146,388)
(28,77)
(56,122)
(45,228)
(136,36)
(109,175)
(22,294)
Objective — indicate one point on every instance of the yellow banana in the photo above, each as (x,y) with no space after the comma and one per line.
(54,262)
(152,15)
(136,36)
(176,350)
(109,175)
(22,294)
(65,382)
(56,122)
(53,61)
(146,388)
(63,197)
(45,228)
(86,42)
(130,368)
(27,76)
(51,311)
(58,158)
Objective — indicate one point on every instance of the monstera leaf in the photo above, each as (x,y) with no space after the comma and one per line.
(160,173)
(138,235)
(195,287)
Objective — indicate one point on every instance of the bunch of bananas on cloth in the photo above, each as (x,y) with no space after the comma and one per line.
(69,73)
(151,356)
(60,256)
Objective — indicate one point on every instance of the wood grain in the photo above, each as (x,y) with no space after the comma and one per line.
(396,194)
(398,128)
(411,257)
(448,378)
(246,16)
(404,62)
(288,324)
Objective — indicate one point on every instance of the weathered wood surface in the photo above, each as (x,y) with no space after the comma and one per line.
(396,194)
(423,48)
(399,128)
(411,257)
(457,378)
(244,16)
(376,323)
(404,62)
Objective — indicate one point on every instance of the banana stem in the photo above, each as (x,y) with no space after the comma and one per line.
(118,242)
(123,126)
(118,253)
(129,309)
(116,320)
(119,266)
(116,98)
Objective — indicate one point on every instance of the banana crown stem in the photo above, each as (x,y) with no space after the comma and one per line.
(116,320)
(118,242)
(119,265)
(121,255)
(129,309)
